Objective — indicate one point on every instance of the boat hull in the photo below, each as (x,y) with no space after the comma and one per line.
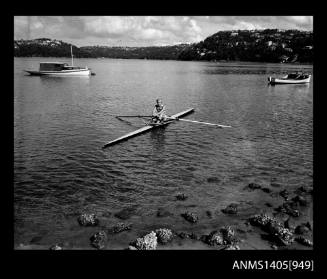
(84,72)
(288,81)
(147,128)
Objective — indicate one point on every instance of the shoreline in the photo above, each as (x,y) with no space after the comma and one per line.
(248,235)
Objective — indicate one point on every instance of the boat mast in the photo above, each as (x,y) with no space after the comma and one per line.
(71,51)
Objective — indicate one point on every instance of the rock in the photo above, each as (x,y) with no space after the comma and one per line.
(288,208)
(190,216)
(148,242)
(274,247)
(125,214)
(230,209)
(55,247)
(213,180)
(164,235)
(181,197)
(232,247)
(301,229)
(163,213)
(120,227)
(99,240)
(228,235)
(275,229)
(214,238)
(88,220)
(131,248)
(304,241)
(284,193)
(280,233)
(266,190)
(254,186)
(209,213)
(260,220)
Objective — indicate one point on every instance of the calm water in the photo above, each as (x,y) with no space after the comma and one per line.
(60,125)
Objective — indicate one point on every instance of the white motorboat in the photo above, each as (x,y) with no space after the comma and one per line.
(294,78)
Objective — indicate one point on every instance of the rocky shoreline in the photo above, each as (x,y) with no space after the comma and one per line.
(282,224)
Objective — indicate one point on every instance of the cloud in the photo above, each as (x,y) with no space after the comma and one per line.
(145,30)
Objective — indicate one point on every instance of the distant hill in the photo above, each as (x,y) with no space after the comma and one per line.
(269,45)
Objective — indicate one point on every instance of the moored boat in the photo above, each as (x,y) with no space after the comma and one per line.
(60,69)
(293,78)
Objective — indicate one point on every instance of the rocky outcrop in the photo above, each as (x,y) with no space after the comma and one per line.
(120,227)
(225,236)
(148,242)
(99,240)
(88,220)
(190,216)
(304,241)
(253,186)
(181,197)
(276,230)
(289,208)
(164,235)
(55,247)
(230,209)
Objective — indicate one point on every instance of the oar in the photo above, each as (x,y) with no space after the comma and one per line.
(119,116)
(200,122)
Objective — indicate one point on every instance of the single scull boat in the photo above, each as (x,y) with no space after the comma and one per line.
(148,127)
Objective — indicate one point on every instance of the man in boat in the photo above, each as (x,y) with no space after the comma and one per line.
(159,112)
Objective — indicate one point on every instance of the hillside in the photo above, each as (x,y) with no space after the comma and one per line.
(270,45)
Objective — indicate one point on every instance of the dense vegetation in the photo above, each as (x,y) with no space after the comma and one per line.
(270,45)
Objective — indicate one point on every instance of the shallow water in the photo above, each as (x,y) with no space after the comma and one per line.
(61,124)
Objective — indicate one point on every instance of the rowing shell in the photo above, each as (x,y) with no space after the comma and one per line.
(147,128)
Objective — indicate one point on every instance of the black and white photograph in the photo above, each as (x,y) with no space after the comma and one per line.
(163,132)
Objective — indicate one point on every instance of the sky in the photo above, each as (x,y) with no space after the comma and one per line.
(135,31)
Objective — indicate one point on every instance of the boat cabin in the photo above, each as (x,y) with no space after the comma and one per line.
(52,66)
(57,66)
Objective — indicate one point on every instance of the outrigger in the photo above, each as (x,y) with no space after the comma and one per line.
(151,126)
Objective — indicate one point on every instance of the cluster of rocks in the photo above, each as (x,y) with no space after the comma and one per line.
(151,240)
(120,227)
(190,216)
(225,236)
(256,186)
(275,229)
(88,220)
(147,242)
(181,197)
(292,207)
(164,235)
(99,240)
(230,209)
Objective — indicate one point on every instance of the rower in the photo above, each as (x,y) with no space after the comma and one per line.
(159,112)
